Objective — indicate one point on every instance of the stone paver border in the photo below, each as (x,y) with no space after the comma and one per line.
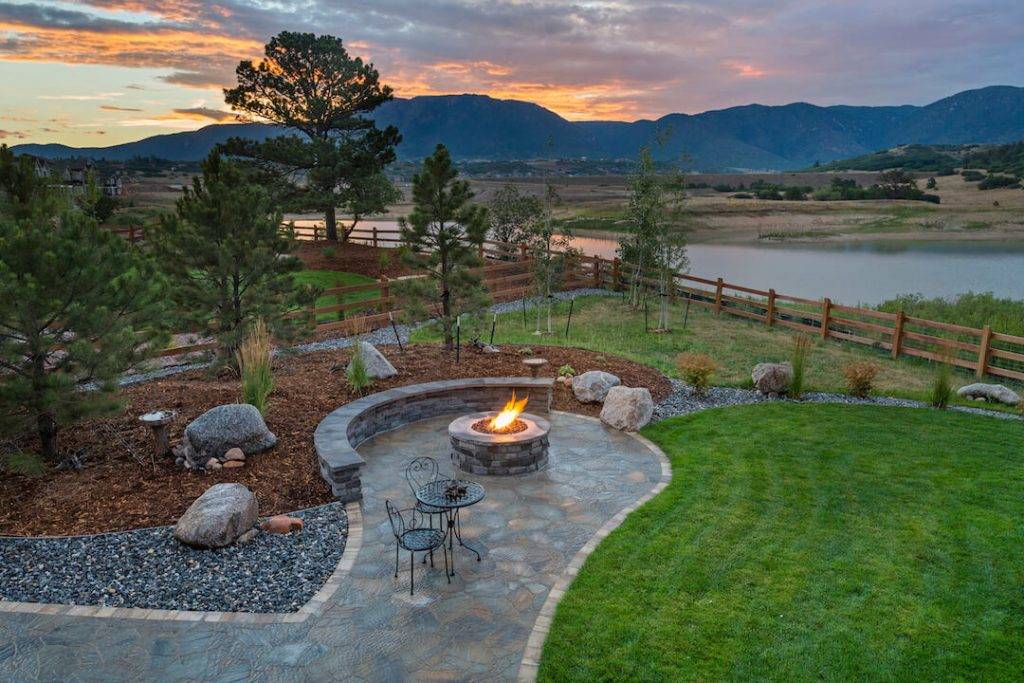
(314,605)
(530,664)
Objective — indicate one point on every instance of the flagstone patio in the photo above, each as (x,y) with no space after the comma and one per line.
(533,532)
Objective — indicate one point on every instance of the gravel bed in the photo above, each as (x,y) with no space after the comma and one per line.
(682,401)
(148,568)
(378,337)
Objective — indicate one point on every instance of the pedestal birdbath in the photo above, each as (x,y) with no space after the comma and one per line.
(535,364)
(159,421)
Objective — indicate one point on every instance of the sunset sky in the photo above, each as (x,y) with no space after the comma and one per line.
(100,72)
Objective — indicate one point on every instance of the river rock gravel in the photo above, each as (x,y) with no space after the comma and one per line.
(148,568)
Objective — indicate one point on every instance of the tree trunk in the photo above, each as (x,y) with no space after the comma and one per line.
(48,433)
(331,221)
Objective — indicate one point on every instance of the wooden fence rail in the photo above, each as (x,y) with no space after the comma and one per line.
(983,351)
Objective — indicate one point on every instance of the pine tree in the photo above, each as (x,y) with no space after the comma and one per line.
(228,259)
(79,307)
(442,234)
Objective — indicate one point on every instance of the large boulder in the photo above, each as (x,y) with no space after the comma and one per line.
(235,425)
(996,393)
(627,409)
(772,378)
(593,386)
(218,517)
(377,366)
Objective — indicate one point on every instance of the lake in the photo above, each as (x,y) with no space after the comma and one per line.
(850,273)
(859,272)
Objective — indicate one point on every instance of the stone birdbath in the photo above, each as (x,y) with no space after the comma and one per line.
(159,421)
(535,364)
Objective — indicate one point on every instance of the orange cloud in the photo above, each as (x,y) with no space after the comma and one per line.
(745,70)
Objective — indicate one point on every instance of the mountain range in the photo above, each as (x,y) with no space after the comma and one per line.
(750,137)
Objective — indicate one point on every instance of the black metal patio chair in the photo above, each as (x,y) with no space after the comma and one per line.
(411,535)
(420,472)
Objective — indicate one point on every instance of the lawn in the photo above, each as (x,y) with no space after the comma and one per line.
(329,279)
(810,542)
(606,324)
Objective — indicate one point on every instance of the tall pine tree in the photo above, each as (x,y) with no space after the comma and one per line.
(228,259)
(443,233)
(79,307)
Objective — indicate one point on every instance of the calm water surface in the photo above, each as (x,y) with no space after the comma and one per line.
(863,272)
(858,272)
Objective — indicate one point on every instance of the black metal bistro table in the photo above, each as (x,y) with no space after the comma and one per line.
(451,495)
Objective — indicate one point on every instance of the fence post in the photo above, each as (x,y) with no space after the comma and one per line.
(672,286)
(718,295)
(522,252)
(597,271)
(131,234)
(616,275)
(986,343)
(770,313)
(897,334)
(480,250)
(375,237)
(826,309)
(385,293)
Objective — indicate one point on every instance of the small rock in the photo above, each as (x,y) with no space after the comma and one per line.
(593,386)
(232,464)
(627,408)
(282,524)
(377,366)
(491,349)
(247,536)
(996,393)
(234,454)
(772,378)
(218,517)
(213,464)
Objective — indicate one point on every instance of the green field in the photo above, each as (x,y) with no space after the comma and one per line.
(606,324)
(329,279)
(810,542)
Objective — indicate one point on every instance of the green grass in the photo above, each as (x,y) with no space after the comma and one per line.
(608,325)
(329,279)
(810,542)
(896,219)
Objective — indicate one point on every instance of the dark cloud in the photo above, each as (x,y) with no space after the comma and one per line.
(623,58)
(110,107)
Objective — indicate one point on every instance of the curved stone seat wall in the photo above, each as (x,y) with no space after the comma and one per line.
(340,433)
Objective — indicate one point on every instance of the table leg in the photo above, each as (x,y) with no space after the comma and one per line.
(458,534)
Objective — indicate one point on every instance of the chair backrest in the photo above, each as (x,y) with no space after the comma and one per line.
(420,472)
(396,519)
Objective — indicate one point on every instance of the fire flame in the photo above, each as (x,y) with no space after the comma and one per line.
(508,414)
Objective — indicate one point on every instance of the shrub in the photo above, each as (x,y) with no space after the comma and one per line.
(972,176)
(996,181)
(931,184)
(942,386)
(567,371)
(358,378)
(329,252)
(860,377)
(254,366)
(696,369)
(801,347)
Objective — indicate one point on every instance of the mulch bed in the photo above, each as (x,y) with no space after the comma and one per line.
(121,487)
(351,258)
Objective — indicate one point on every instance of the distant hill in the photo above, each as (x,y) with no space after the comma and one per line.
(938,159)
(751,137)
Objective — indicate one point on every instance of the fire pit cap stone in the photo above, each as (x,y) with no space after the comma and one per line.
(462,429)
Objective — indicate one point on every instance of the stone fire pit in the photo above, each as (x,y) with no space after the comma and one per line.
(523,448)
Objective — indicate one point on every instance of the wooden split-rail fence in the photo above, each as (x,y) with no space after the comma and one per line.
(508,275)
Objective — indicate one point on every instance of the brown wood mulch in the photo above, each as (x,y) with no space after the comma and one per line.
(121,486)
(351,258)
